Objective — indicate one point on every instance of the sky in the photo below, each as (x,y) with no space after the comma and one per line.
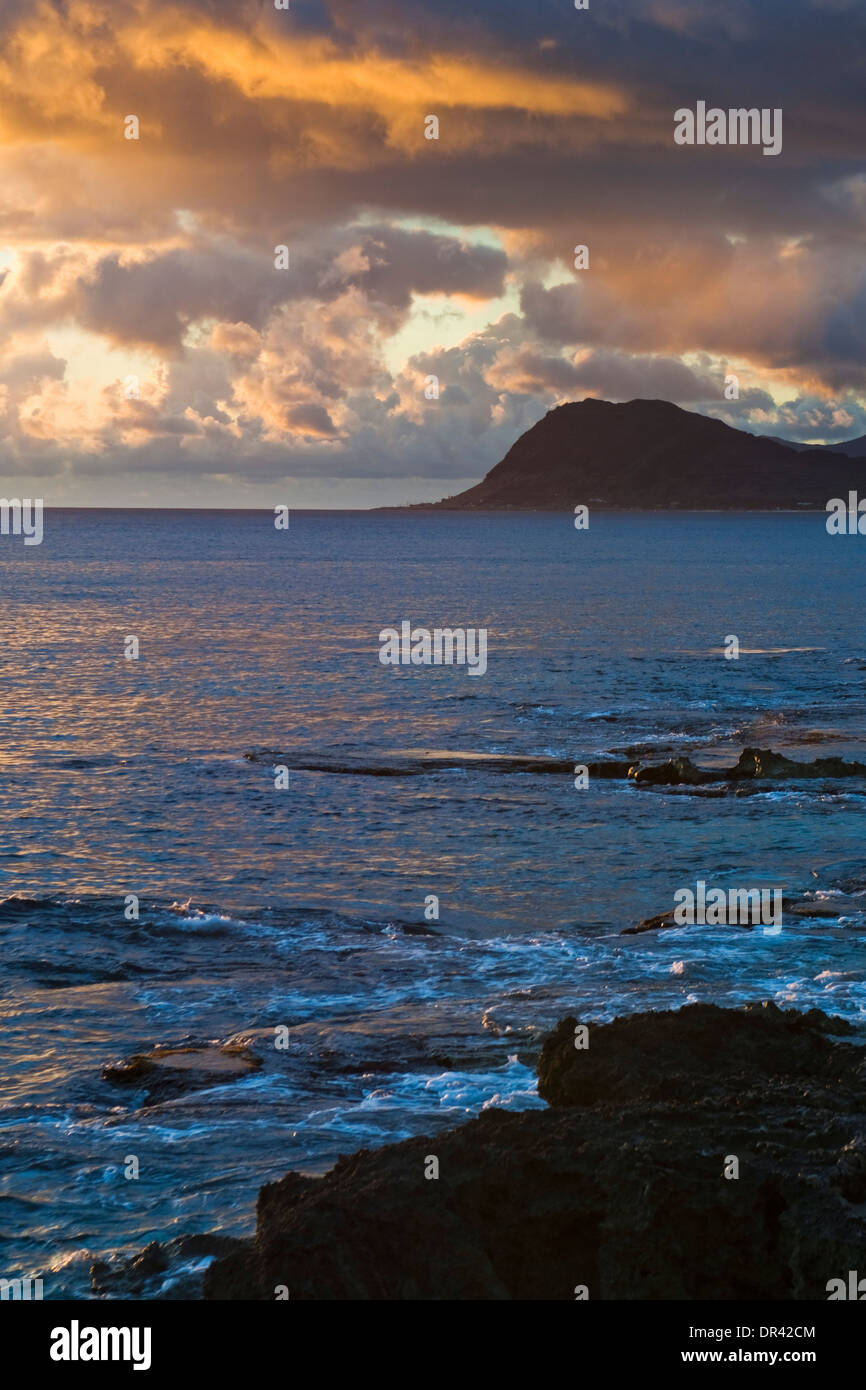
(155,349)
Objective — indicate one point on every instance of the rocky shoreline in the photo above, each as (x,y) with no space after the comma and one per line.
(753,766)
(704,1153)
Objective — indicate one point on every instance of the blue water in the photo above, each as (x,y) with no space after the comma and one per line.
(262,907)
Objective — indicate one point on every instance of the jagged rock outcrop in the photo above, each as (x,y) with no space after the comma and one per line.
(753,764)
(170,1271)
(619,1187)
(695,1052)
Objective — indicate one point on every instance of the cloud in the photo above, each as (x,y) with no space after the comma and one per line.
(153,298)
(310,419)
(306,128)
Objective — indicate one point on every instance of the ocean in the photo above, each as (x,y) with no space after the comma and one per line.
(307,906)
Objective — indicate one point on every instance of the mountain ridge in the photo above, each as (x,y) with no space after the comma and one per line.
(651,454)
(852,448)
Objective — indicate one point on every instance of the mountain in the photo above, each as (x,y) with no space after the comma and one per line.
(854,448)
(651,454)
(793,443)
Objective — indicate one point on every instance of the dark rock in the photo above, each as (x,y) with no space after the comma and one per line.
(174,1270)
(610,768)
(692,1052)
(675,771)
(166,1072)
(753,764)
(850,1175)
(418,762)
(621,1189)
(765,764)
(411,762)
(666,921)
(661,922)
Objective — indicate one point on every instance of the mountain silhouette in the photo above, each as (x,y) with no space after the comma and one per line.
(652,454)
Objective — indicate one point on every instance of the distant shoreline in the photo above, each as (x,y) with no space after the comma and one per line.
(403,508)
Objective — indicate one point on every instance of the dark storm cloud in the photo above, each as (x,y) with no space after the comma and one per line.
(305,127)
(154,300)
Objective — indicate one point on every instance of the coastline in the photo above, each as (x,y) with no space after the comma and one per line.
(698,1154)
